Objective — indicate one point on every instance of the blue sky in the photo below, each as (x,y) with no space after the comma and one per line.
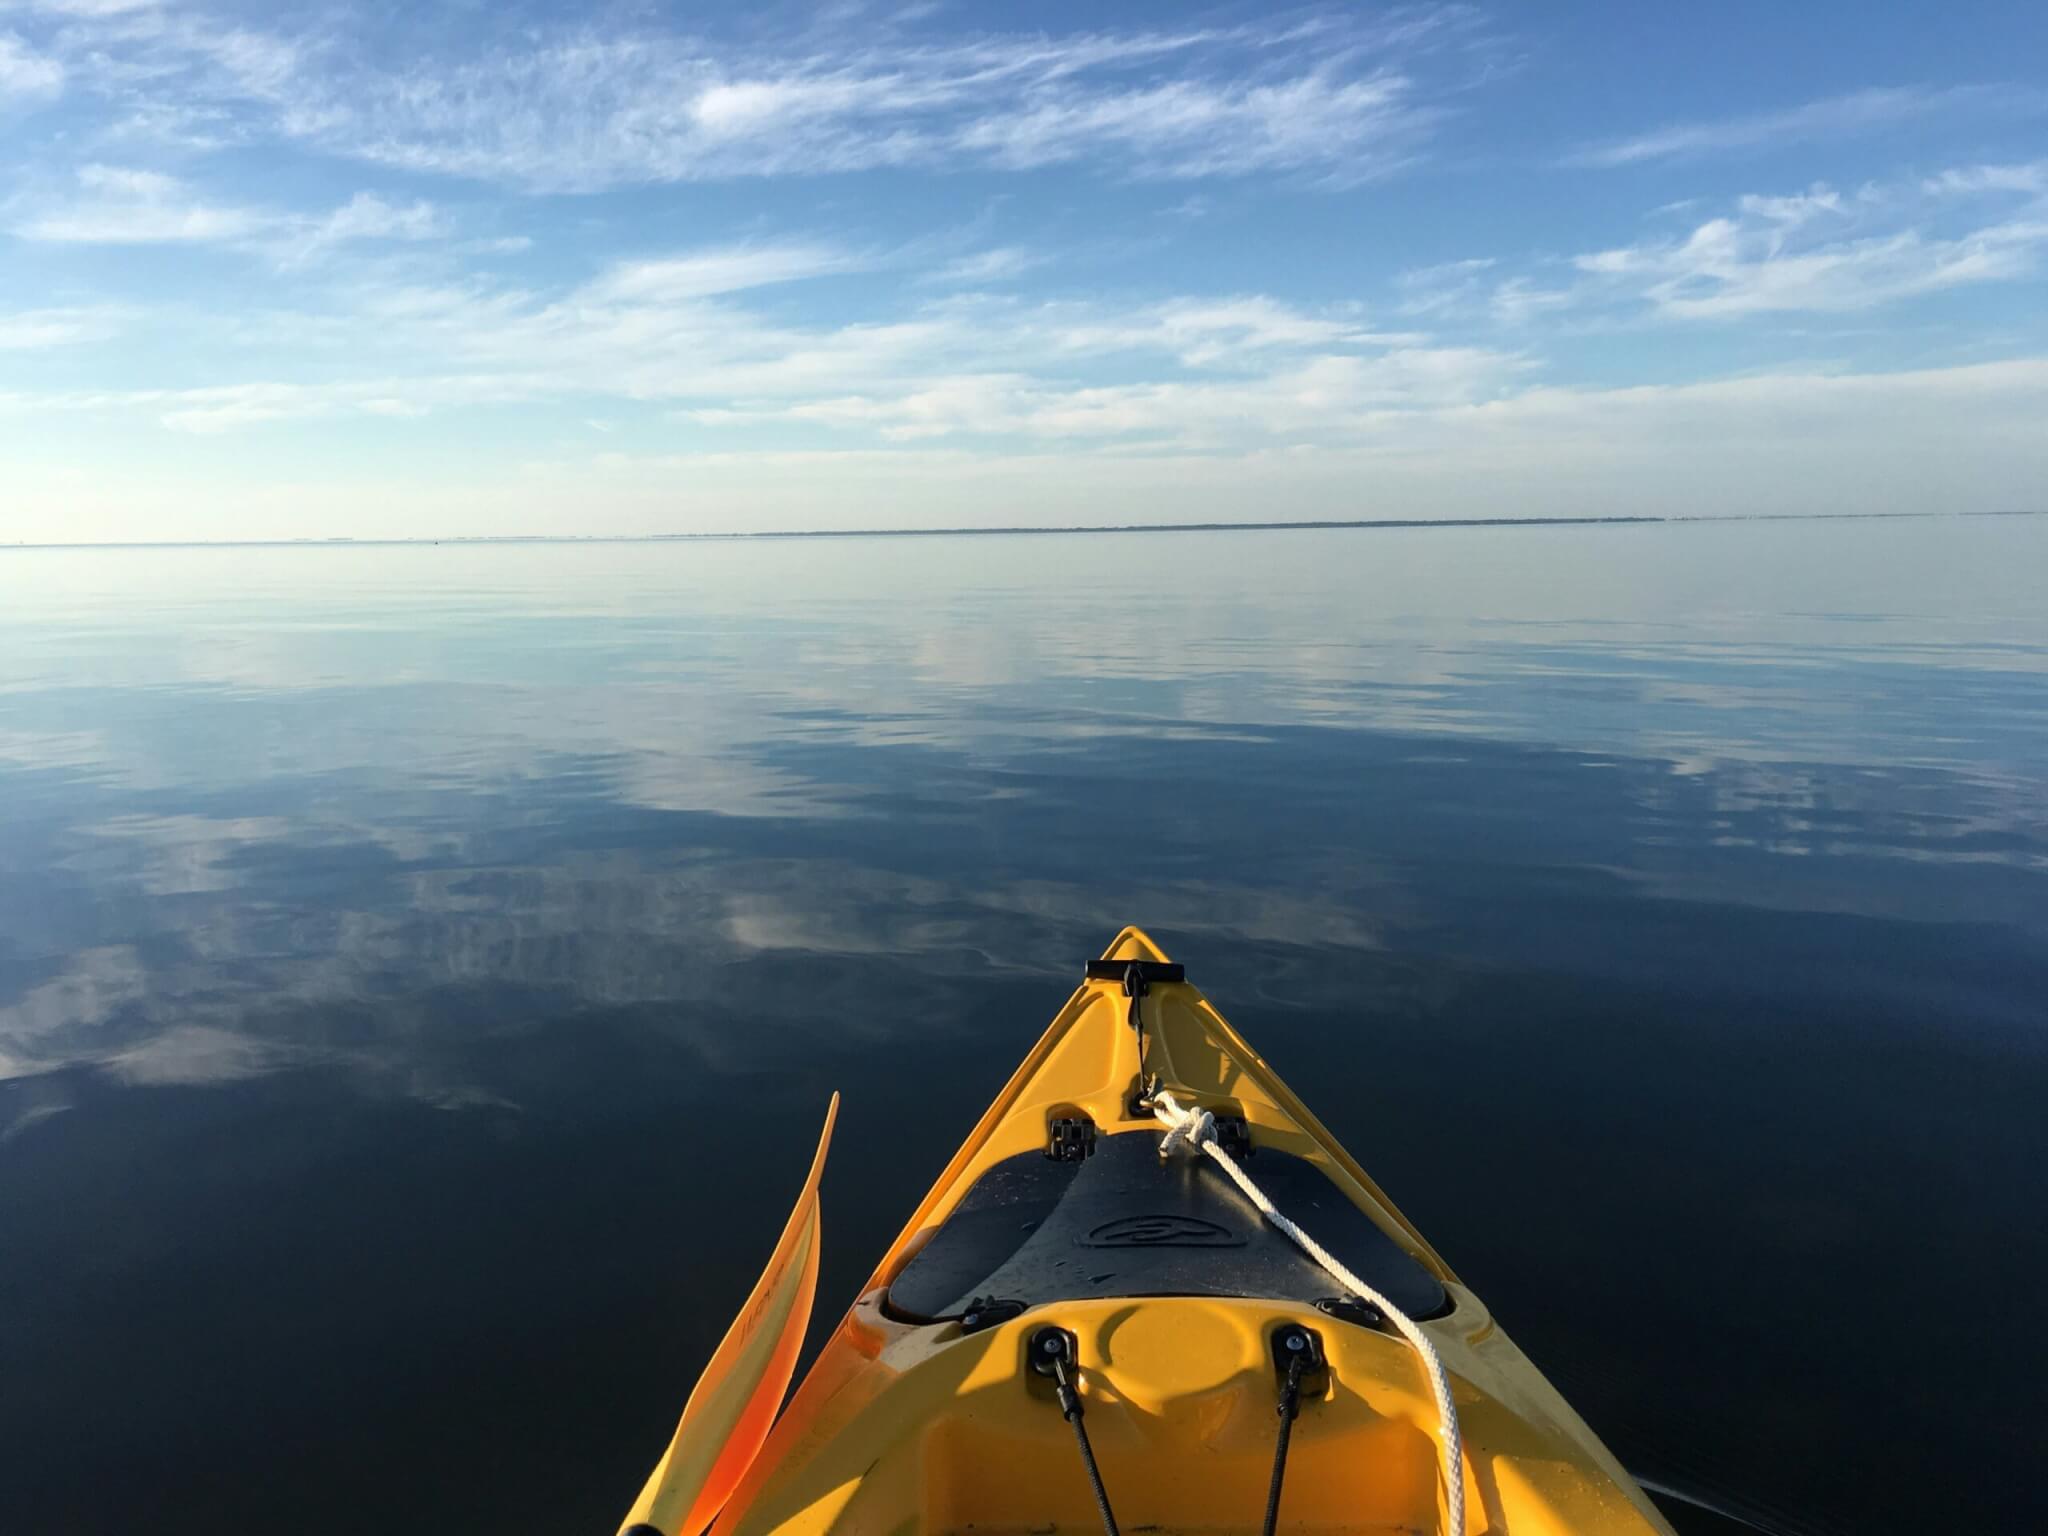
(461,268)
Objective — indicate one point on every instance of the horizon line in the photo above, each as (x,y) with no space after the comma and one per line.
(328,541)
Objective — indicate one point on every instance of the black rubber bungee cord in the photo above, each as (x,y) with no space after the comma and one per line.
(1290,1405)
(1052,1354)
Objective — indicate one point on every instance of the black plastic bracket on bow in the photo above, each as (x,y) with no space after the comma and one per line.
(1148,970)
(1137,977)
(986,1311)
(1354,1310)
(1299,1364)
(1234,1136)
(1070,1138)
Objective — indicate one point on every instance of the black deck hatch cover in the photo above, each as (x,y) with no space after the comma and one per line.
(1122,1223)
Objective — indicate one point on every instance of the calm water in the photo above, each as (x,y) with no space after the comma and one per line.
(422,971)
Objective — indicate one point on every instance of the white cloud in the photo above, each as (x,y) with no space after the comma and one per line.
(745,108)
(1819,251)
(1466,291)
(1192,374)
(1320,399)
(368,217)
(496,245)
(174,74)
(26,74)
(227,408)
(1809,252)
(1444,287)
(675,329)
(148,47)
(363,217)
(678,330)
(94,8)
(1977,180)
(1202,331)
(1207,332)
(33,329)
(1317,120)
(725,269)
(667,328)
(1833,117)
(120,206)
(996,265)
(1790,211)
(240,405)
(210,410)
(1518,300)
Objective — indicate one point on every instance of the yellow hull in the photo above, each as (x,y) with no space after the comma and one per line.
(911,1423)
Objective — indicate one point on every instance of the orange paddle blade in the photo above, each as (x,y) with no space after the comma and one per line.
(735,1401)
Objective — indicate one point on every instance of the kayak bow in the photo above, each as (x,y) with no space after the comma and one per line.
(1215,1343)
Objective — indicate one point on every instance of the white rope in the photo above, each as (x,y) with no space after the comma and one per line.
(1197,1128)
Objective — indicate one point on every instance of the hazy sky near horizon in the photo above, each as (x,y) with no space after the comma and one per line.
(448,268)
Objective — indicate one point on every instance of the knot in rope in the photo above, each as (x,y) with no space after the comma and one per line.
(1194,1130)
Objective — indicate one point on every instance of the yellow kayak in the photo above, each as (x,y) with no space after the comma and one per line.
(1151,1294)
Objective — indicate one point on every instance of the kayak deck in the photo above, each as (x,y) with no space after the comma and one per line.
(921,1413)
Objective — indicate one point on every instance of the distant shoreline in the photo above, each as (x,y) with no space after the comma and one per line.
(1364,523)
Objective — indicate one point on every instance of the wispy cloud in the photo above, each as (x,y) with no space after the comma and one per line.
(1203,332)
(93,7)
(1814,251)
(1833,117)
(685,332)
(704,341)
(120,205)
(1318,399)
(1443,287)
(363,217)
(214,409)
(1334,98)
(2029,179)
(227,408)
(26,74)
(587,115)
(1518,300)
(1191,128)
(1819,251)
(34,329)
(176,55)
(633,331)
(723,269)
(999,264)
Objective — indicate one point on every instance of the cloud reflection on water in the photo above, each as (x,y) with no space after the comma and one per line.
(352,780)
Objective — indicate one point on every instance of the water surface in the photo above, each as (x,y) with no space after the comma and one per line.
(422,969)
